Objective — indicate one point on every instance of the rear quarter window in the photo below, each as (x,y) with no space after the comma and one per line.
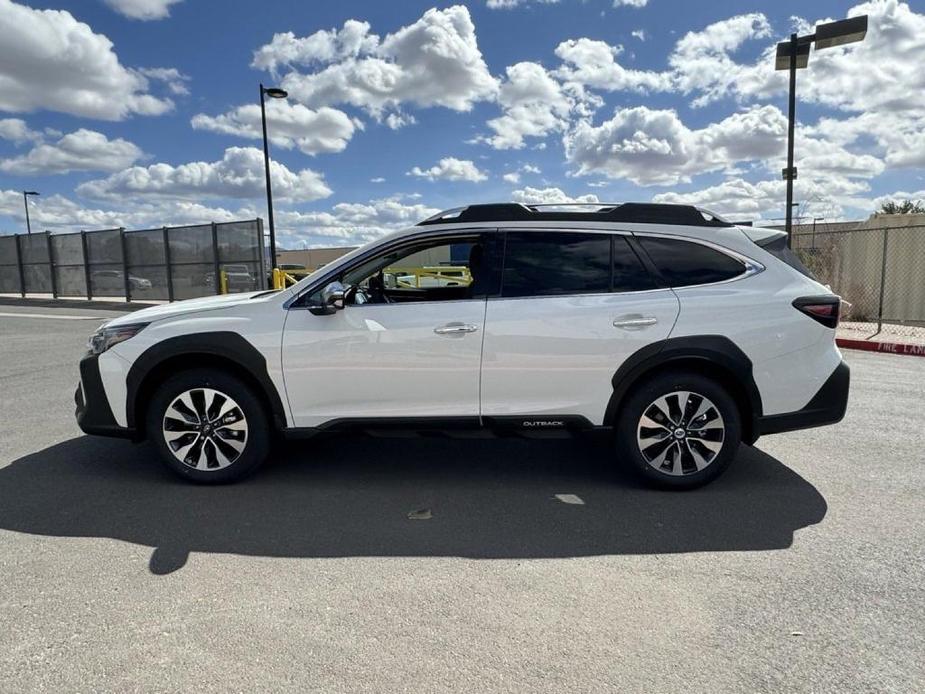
(685,263)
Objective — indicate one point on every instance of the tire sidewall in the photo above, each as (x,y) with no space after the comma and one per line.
(645,394)
(258,435)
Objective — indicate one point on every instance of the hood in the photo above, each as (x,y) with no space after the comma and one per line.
(179,308)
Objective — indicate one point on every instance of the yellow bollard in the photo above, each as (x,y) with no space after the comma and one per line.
(222,282)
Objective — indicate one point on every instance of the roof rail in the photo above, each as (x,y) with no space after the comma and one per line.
(638,212)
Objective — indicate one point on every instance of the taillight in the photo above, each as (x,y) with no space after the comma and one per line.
(824,309)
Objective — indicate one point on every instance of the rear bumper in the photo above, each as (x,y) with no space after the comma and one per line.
(827,406)
(93,413)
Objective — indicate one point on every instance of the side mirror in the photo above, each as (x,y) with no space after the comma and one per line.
(332,297)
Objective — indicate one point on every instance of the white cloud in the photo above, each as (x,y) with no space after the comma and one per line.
(144,10)
(288,126)
(83,150)
(533,106)
(286,50)
(60,213)
(240,174)
(511,4)
(49,60)
(702,62)
(737,198)
(377,179)
(433,62)
(349,223)
(630,3)
(512,177)
(530,168)
(173,78)
(650,146)
(17,131)
(638,34)
(591,63)
(653,147)
(530,196)
(451,169)
(399,120)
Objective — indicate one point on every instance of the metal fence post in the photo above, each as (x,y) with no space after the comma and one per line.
(886,236)
(49,249)
(263,253)
(215,265)
(86,259)
(22,275)
(125,277)
(167,265)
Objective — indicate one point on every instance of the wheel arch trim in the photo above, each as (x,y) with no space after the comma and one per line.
(716,353)
(224,347)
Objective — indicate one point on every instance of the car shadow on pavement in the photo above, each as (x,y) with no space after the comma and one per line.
(359,496)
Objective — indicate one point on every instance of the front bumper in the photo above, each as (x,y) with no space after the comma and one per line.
(93,413)
(827,407)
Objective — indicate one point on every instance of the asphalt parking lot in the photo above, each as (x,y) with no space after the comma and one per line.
(802,569)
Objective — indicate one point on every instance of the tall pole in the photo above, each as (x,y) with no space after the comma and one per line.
(25,202)
(266,163)
(791,174)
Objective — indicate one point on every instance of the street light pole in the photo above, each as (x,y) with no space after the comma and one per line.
(25,202)
(790,173)
(793,55)
(276,94)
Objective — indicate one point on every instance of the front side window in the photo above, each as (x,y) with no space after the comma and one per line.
(445,270)
(684,263)
(563,263)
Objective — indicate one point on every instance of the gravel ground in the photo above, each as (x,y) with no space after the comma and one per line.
(800,570)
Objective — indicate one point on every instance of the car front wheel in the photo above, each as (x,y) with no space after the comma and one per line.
(679,430)
(208,426)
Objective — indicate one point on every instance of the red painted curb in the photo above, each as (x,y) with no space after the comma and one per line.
(888,347)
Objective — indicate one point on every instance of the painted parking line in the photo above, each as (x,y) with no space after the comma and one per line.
(47,315)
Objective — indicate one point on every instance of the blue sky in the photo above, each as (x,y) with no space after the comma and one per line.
(141,112)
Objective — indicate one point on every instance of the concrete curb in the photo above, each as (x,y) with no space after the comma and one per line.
(886,347)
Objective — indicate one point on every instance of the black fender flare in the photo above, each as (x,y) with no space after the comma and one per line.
(714,351)
(227,345)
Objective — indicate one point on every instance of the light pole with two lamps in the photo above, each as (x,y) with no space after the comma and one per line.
(793,55)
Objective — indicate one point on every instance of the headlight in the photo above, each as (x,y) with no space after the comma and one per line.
(106,337)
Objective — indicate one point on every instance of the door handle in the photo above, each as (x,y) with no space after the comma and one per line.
(635,322)
(456,329)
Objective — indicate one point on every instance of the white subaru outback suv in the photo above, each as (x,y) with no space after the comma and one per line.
(683,334)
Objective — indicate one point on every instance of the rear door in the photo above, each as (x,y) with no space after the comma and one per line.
(572,307)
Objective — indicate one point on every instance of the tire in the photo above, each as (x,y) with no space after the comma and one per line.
(678,411)
(208,426)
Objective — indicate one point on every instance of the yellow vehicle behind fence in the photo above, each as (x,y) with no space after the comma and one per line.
(430,276)
(409,277)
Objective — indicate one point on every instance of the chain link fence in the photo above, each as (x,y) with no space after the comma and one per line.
(879,271)
(165,264)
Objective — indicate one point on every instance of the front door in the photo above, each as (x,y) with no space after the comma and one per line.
(407,344)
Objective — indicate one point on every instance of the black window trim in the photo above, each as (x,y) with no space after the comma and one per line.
(751,266)
(631,242)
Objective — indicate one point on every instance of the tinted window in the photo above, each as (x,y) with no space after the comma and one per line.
(683,263)
(546,264)
(629,275)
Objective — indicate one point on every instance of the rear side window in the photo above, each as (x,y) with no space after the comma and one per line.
(563,263)
(683,263)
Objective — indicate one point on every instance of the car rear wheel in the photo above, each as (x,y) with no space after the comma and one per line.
(679,430)
(208,426)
